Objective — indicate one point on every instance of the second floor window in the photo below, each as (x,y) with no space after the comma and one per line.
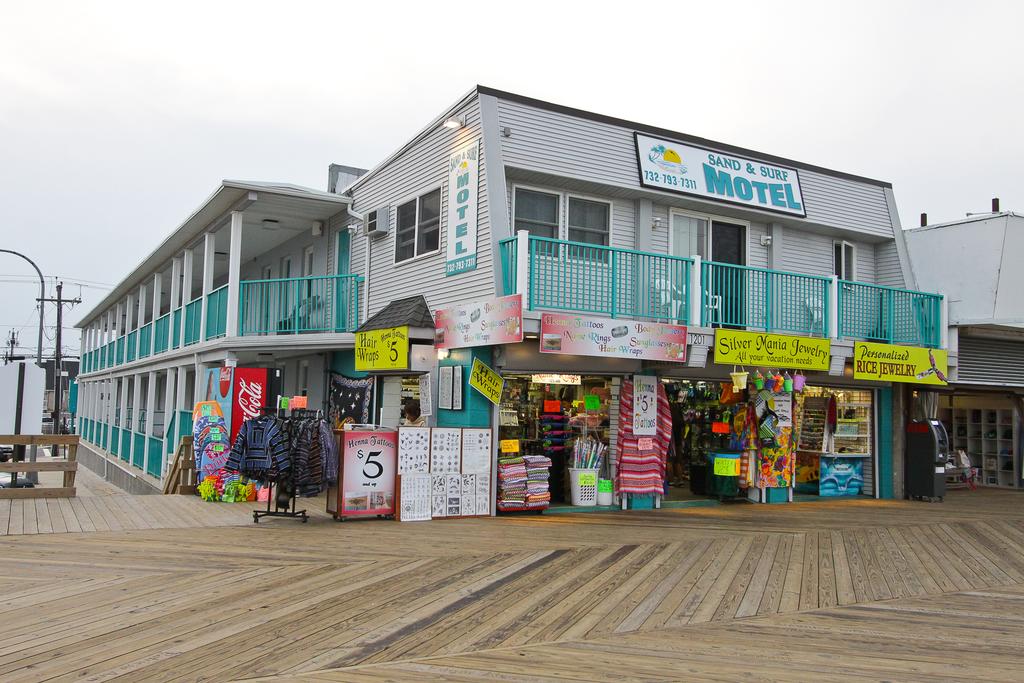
(536,213)
(589,221)
(844,256)
(419,226)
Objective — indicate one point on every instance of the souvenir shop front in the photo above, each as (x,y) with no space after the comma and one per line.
(652,430)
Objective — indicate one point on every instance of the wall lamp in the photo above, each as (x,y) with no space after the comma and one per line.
(454,122)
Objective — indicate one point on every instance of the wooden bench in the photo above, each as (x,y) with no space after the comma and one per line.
(68,467)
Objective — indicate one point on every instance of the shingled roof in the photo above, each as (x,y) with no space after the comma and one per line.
(412,311)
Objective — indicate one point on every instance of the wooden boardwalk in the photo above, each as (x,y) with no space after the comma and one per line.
(811,590)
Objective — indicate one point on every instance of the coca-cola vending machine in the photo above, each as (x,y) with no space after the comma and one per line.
(241,393)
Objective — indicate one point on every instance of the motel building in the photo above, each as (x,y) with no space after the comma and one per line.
(586,265)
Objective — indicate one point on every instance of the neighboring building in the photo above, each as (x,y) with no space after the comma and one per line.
(974,263)
(581,214)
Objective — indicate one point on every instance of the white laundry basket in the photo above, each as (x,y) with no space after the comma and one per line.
(583,486)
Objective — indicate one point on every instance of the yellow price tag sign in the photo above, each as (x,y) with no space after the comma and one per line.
(727,467)
(509,445)
(386,349)
(587,479)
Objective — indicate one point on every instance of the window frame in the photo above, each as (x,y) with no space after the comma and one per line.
(552,193)
(850,268)
(569,196)
(416,225)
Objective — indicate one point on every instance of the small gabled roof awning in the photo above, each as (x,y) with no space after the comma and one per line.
(412,311)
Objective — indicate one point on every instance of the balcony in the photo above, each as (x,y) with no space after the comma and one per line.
(161,330)
(216,313)
(193,318)
(326,303)
(557,275)
(572,276)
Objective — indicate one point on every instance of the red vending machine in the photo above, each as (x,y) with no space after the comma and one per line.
(241,393)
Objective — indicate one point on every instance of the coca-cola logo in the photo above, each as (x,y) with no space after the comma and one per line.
(250,397)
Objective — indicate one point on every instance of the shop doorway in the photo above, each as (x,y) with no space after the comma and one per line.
(549,413)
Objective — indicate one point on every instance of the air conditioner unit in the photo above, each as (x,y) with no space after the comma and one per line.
(375,224)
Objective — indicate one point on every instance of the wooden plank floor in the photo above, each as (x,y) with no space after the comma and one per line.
(171,588)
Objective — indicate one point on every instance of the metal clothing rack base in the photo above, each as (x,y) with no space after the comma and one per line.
(274,512)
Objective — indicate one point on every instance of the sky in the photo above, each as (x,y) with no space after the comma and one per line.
(117,119)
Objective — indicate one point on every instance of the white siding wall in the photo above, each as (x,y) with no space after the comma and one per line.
(583,149)
(887,265)
(422,168)
(812,253)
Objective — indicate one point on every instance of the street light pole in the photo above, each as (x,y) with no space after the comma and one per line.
(42,295)
(32,476)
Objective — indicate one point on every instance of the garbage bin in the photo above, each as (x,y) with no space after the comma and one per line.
(723,474)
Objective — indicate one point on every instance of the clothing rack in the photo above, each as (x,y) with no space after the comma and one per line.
(273,508)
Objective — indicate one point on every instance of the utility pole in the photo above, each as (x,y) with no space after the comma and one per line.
(58,361)
(12,343)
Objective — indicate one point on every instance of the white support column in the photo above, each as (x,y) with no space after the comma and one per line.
(136,400)
(694,293)
(944,323)
(118,325)
(187,259)
(523,266)
(833,307)
(150,419)
(175,300)
(168,401)
(130,312)
(143,289)
(234,272)
(123,421)
(209,253)
(181,400)
(158,286)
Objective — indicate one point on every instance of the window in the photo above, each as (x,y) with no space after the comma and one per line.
(536,213)
(844,259)
(419,226)
(303,387)
(371,222)
(588,221)
(307,262)
(286,267)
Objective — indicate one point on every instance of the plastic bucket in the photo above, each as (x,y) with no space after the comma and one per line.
(605,494)
(583,486)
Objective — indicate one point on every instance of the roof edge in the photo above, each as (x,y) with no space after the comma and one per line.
(665,132)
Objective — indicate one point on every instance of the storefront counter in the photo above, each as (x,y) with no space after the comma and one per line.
(830,474)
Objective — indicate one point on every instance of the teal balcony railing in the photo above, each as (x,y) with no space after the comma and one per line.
(886,314)
(132,346)
(176,318)
(115,440)
(154,459)
(139,450)
(119,353)
(193,319)
(763,299)
(324,303)
(570,276)
(161,328)
(573,276)
(509,265)
(145,340)
(216,313)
